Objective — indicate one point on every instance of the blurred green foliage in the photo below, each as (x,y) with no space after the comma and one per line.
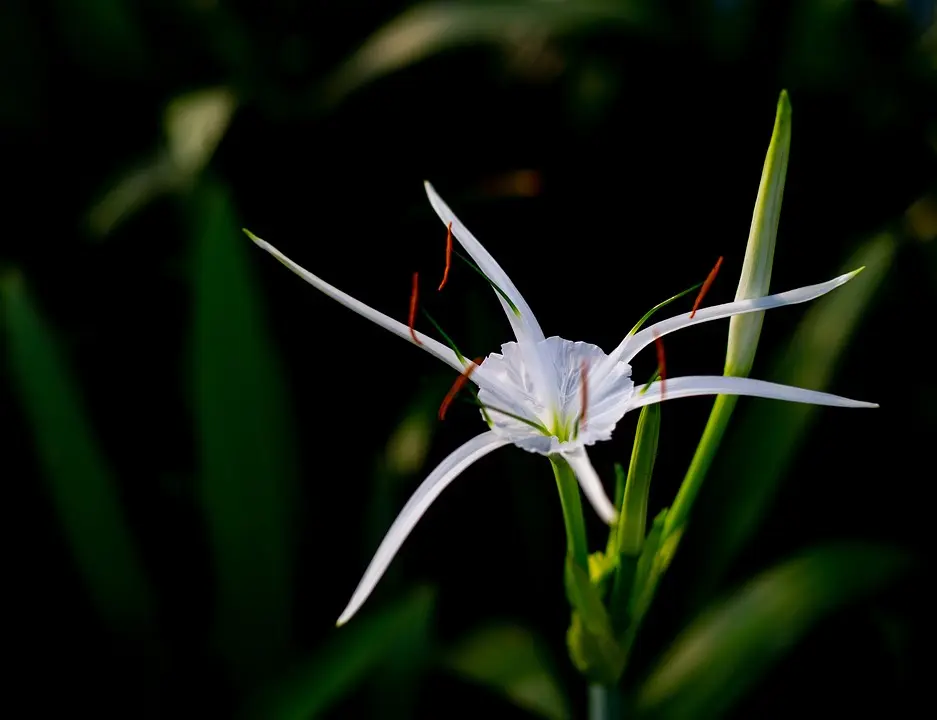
(198,448)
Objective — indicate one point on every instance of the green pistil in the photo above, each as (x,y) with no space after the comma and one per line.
(660,305)
(490,282)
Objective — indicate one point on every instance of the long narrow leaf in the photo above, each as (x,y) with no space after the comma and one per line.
(80,484)
(247,459)
(726,649)
(768,435)
(354,651)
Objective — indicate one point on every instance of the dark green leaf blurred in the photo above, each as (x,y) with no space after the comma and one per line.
(247,458)
(512,660)
(312,686)
(79,482)
(721,654)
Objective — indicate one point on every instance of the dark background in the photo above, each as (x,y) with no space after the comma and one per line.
(606,153)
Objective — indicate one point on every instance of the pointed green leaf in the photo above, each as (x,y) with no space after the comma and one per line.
(80,483)
(744,330)
(245,449)
(514,661)
(727,648)
(351,654)
(768,434)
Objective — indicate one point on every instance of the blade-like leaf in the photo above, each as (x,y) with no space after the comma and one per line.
(80,484)
(353,652)
(744,330)
(433,27)
(247,458)
(768,434)
(194,124)
(513,661)
(727,648)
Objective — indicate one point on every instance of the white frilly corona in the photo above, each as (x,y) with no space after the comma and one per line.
(537,384)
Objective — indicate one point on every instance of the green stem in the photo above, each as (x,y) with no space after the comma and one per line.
(604,703)
(702,459)
(568,486)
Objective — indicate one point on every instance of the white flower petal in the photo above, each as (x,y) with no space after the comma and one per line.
(487,264)
(719,385)
(438,480)
(431,346)
(526,328)
(632,345)
(591,485)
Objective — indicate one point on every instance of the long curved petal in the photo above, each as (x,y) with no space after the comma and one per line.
(632,345)
(433,347)
(692,385)
(591,485)
(526,326)
(438,480)
(523,323)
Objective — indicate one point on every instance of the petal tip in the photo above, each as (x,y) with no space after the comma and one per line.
(856,272)
(253,237)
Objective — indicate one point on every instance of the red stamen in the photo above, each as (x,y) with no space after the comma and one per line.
(584,379)
(661,363)
(706,285)
(445,273)
(457,386)
(414,299)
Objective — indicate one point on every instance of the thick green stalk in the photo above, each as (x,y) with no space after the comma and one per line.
(702,459)
(568,486)
(604,702)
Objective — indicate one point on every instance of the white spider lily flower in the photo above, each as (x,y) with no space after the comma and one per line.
(548,395)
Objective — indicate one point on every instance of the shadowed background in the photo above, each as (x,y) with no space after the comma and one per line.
(202,452)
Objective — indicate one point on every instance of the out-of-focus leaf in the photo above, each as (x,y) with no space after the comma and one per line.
(246,454)
(394,687)
(80,483)
(513,661)
(434,27)
(194,124)
(769,433)
(727,648)
(353,652)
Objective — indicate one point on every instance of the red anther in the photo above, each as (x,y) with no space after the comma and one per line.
(584,379)
(706,285)
(414,299)
(457,386)
(661,362)
(445,273)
